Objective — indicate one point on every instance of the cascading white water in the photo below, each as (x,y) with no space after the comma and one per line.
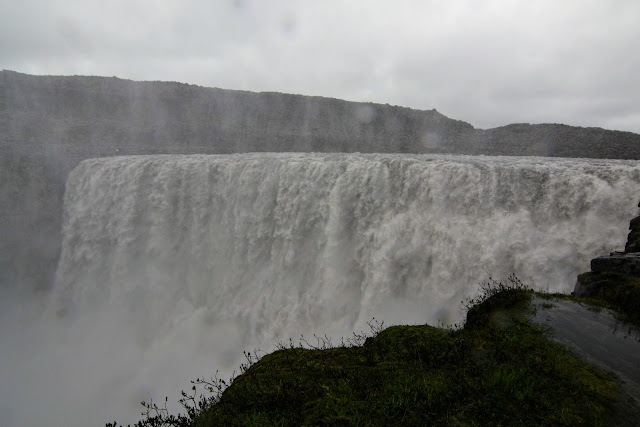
(331,240)
(172,265)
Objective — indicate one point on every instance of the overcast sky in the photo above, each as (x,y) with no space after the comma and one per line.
(489,63)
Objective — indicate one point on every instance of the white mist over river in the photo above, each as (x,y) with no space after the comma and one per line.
(172,265)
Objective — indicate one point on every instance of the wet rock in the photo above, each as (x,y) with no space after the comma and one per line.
(599,339)
(633,240)
(619,262)
(627,262)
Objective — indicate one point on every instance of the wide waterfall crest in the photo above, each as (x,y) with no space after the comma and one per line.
(173,265)
(326,241)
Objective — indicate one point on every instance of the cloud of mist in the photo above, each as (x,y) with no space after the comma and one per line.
(96,367)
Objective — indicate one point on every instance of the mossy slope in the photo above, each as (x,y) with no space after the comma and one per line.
(497,370)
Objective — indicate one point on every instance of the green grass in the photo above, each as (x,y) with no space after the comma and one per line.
(498,369)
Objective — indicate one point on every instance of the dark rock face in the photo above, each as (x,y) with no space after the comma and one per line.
(633,240)
(584,287)
(627,262)
(620,262)
(48,124)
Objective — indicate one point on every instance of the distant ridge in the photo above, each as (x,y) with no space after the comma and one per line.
(98,115)
(48,124)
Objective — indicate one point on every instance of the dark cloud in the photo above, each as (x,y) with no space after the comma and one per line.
(486,62)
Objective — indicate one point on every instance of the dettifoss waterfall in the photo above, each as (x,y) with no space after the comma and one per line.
(172,265)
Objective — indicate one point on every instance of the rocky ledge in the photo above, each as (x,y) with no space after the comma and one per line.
(625,263)
(620,262)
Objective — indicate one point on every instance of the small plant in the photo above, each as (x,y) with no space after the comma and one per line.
(358,339)
(493,287)
(194,403)
(203,395)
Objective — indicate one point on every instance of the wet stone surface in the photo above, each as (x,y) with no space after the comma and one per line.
(597,337)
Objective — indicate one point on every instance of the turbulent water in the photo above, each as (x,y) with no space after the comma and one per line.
(172,265)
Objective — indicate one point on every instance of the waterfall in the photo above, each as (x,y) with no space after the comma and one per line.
(171,265)
(331,240)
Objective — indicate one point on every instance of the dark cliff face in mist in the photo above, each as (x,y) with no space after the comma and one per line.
(49,124)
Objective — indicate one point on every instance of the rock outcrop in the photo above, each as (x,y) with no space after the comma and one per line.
(619,262)
(627,262)
(633,240)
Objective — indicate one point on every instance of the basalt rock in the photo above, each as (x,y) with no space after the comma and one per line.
(633,240)
(619,262)
(627,263)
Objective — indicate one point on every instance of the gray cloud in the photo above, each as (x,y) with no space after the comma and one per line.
(486,62)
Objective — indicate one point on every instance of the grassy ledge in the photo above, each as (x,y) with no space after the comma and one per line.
(498,369)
